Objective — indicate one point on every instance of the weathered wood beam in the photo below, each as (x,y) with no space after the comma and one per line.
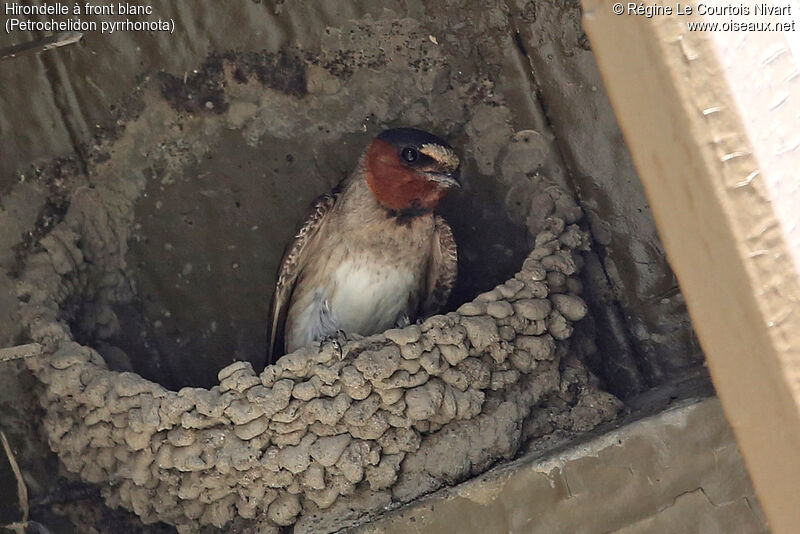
(711,121)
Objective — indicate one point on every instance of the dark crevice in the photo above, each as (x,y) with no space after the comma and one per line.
(617,361)
(623,374)
(543,106)
(520,44)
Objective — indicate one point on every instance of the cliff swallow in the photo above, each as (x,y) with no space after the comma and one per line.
(371,254)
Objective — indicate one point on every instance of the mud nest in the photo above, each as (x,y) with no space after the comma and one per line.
(320,440)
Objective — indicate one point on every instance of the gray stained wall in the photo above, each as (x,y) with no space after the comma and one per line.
(251,109)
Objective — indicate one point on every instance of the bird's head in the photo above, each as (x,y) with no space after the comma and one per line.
(409,171)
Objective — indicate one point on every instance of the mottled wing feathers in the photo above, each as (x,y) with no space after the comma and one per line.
(442,270)
(294,259)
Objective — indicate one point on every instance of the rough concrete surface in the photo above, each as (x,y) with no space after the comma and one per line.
(211,142)
(258,105)
(677,471)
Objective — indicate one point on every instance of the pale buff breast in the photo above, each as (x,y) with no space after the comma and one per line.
(359,289)
(369,297)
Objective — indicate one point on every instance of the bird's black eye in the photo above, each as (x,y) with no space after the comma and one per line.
(409,154)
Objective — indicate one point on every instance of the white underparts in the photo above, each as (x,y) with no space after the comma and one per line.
(361,297)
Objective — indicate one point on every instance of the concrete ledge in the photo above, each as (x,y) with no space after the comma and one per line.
(677,471)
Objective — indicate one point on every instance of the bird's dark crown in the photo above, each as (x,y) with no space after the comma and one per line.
(401,137)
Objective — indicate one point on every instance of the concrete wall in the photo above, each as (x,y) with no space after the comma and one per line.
(232,165)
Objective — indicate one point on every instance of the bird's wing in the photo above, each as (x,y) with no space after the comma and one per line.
(294,259)
(442,270)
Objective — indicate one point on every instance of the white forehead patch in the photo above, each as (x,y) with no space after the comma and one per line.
(443,155)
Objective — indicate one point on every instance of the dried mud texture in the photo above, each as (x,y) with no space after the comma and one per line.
(320,439)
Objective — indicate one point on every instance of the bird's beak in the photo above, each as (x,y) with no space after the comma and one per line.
(448,180)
